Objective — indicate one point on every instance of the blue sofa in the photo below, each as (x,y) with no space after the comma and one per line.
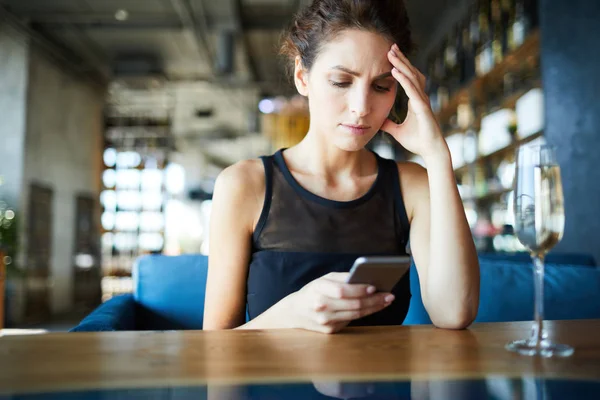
(169,293)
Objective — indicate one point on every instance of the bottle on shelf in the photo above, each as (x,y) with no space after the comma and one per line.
(467,56)
(511,18)
(451,60)
(432,86)
(498,41)
(443,93)
(470,147)
(507,11)
(474,31)
(464,116)
(521,25)
(484,51)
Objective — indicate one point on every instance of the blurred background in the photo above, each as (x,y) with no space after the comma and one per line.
(116,116)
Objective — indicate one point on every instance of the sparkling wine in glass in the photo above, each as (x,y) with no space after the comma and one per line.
(539,224)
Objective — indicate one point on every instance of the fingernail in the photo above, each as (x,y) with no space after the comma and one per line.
(396,47)
(389,298)
(371,289)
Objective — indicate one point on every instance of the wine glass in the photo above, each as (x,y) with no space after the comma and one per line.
(539,224)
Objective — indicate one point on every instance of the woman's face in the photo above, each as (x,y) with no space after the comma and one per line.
(350,88)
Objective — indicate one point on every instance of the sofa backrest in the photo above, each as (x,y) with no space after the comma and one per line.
(171,292)
(554,257)
(507,293)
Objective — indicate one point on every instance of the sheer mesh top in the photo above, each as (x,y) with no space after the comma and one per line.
(301,236)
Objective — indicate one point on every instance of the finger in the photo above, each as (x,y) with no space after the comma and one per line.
(337,276)
(326,304)
(338,290)
(395,51)
(399,60)
(329,328)
(401,69)
(405,69)
(333,285)
(411,91)
(360,304)
(422,79)
(389,126)
(403,57)
(394,129)
(345,316)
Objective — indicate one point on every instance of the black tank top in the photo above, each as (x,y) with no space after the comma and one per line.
(301,236)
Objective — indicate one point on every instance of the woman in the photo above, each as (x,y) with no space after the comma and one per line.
(286,229)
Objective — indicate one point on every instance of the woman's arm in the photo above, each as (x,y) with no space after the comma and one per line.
(441,244)
(440,237)
(236,202)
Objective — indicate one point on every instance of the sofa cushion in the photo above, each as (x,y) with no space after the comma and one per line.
(507,290)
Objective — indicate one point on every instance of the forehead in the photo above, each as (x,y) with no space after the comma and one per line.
(356,49)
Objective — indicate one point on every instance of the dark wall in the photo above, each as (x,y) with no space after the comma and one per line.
(571,77)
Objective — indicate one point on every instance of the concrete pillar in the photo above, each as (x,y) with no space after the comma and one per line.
(14,66)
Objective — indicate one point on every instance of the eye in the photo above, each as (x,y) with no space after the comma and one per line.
(380,88)
(340,84)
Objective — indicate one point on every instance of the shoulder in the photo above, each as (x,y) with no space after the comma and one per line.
(412,173)
(414,184)
(242,176)
(241,187)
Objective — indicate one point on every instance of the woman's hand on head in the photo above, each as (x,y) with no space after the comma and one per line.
(419,133)
(328,304)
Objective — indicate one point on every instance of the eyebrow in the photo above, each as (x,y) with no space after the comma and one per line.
(354,73)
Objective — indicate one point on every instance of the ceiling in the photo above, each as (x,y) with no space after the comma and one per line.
(182,40)
(176,58)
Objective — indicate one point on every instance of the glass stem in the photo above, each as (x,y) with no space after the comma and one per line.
(538,276)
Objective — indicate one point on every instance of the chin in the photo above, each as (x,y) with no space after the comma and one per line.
(350,148)
(349,143)
(352,144)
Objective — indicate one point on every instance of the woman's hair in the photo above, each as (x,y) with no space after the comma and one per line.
(320,22)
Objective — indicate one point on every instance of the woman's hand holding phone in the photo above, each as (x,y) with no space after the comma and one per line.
(328,304)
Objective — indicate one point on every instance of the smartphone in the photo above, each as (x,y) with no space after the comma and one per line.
(382,272)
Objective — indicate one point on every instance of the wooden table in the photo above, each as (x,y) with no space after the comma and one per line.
(77,361)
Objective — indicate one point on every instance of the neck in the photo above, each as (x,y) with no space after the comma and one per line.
(322,158)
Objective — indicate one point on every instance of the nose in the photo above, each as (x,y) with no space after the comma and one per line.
(359,102)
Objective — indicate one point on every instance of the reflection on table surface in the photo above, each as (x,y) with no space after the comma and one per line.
(420,362)
(494,387)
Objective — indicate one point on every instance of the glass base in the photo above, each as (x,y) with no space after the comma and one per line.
(545,348)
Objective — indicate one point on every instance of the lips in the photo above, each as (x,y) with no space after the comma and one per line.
(356,129)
